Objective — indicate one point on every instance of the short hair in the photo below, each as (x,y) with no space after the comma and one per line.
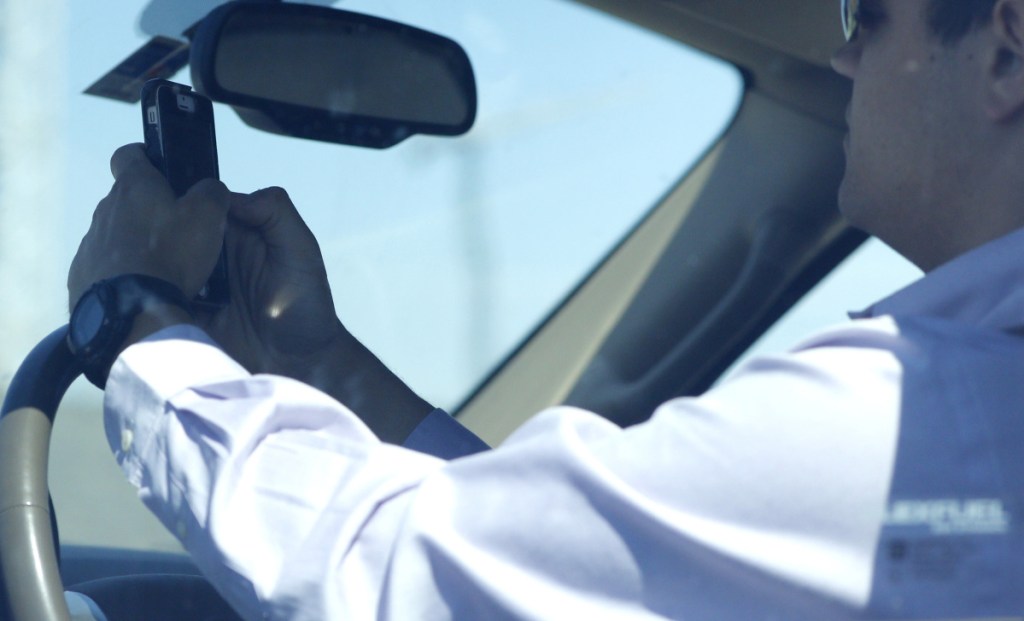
(950,20)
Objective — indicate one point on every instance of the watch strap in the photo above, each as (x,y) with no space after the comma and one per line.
(123,298)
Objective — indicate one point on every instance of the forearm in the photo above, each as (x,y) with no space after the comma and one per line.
(350,373)
(346,370)
(243,468)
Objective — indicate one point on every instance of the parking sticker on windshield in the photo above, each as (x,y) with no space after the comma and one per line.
(161,57)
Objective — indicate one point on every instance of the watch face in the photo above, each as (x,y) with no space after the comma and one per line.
(87,321)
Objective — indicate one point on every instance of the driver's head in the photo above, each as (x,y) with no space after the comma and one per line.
(936,140)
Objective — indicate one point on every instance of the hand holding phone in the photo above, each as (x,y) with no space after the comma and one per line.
(181,142)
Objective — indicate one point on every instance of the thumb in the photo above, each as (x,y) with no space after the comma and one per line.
(200,221)
(207,204)
(208,196)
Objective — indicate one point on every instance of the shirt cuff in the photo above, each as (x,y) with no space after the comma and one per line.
(442,436)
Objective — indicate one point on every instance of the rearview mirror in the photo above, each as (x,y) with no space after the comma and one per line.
(325,74)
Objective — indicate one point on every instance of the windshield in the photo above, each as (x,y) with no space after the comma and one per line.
(443,253)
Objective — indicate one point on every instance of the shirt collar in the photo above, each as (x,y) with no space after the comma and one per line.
(983,287)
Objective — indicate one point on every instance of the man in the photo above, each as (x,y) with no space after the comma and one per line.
(295,509)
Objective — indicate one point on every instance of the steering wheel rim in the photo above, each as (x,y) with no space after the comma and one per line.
(30,582)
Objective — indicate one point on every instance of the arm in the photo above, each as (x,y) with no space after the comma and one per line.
(281,318)
(295,510)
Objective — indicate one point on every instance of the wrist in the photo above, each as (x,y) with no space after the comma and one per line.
(354,376)
(152,319)
(105,319)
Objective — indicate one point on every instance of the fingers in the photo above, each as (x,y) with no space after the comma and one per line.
(272,212)
(131,167)
(137,178)
(209,196)
(205,208)
(128,157)
(262,208)
(140,227)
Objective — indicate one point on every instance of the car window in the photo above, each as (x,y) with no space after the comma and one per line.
(443,253)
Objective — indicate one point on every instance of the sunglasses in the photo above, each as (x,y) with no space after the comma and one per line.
(849,10)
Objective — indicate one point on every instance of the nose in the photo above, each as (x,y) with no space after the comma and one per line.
(846,59)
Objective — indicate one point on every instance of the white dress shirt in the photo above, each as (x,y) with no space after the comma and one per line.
(872,470)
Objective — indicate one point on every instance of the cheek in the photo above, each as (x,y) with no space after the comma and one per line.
(890,119)
(875,159)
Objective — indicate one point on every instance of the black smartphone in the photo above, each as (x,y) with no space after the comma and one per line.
(182,143)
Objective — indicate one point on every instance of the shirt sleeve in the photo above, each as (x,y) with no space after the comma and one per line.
(294,509)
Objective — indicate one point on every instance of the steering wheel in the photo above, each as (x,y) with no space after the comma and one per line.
(31,586)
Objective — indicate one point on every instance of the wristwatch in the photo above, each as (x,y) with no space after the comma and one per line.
(104,315)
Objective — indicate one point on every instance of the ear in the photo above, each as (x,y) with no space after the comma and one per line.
(1005,70)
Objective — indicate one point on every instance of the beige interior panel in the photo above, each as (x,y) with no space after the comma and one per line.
(543,373)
